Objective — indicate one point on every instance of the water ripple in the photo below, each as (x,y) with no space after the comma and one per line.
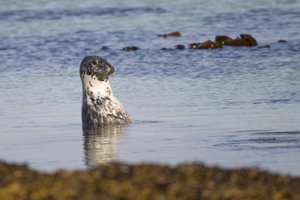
(27,15)
(266,140)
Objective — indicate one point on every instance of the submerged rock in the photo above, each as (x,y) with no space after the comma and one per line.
(265,46)
(146,181)
(180,47)
(282,41)
(173,34)
(166,49)
(130,48)
(105,48)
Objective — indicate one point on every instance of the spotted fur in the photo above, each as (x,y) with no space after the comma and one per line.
(99,105)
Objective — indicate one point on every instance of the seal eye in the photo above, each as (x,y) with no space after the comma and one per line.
(94,62)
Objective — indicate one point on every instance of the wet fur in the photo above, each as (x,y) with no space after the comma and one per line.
(99,105)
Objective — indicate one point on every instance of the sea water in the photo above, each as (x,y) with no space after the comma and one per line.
(232,107)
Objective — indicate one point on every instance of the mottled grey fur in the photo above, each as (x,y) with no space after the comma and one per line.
(99,105)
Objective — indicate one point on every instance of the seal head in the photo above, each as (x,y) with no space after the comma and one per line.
(97,67)
(99,105)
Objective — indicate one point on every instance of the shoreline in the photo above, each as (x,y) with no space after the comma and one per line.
(146,181)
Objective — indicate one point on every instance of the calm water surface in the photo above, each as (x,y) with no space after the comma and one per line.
(232,107)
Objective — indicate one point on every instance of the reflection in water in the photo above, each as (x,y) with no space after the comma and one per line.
(99,144)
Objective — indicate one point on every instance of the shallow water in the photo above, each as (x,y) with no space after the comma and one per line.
(232,107)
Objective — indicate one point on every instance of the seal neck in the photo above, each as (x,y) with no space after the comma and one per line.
(91,85)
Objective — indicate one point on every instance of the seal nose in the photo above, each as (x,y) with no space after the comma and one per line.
(110,69)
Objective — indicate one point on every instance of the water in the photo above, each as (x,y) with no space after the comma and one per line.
(232,107)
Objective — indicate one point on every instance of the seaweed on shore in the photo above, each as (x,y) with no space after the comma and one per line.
(145,181)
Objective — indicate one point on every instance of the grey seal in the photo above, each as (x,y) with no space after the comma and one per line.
(99,105)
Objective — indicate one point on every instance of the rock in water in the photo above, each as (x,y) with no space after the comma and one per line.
(249,38)
(244,40)
(208,44)
(223,39)
(194,45)
(173,34)
(239,42)
(180,47)
(130,48)
(105,48)
(282,41)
